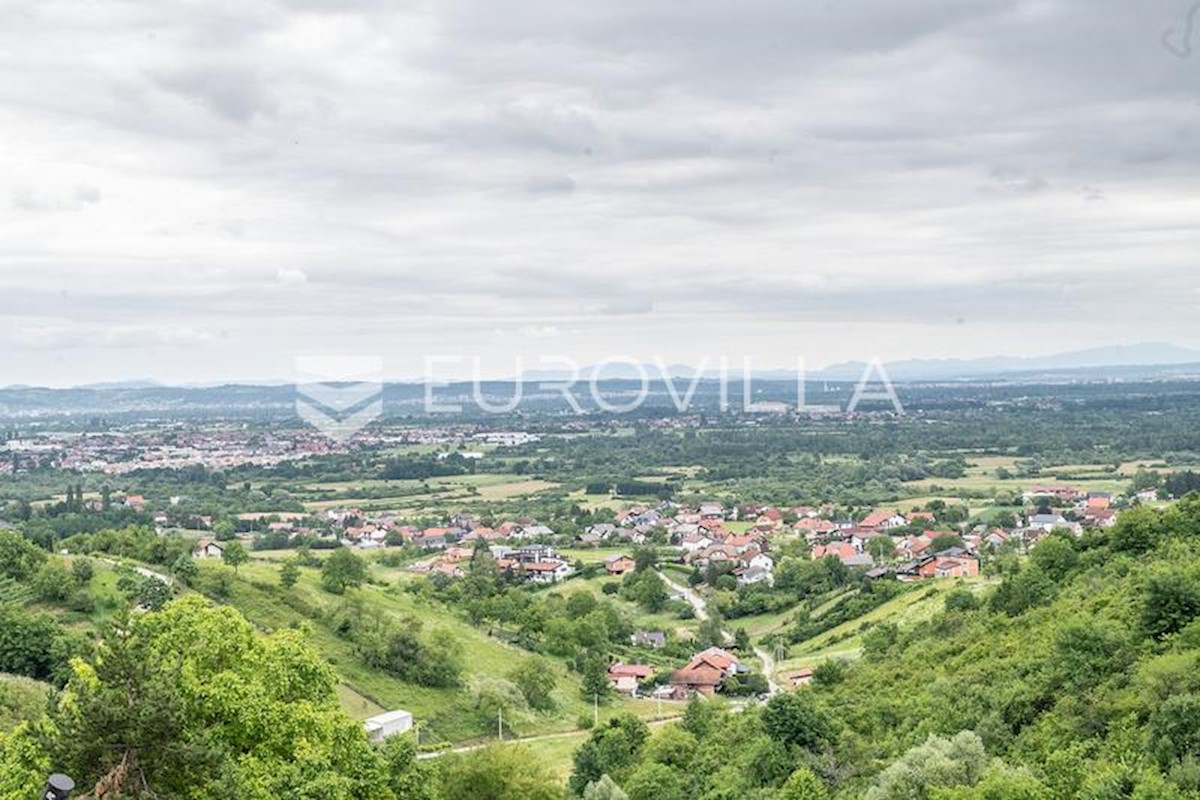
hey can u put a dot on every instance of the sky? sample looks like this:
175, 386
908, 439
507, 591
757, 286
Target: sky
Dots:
206, 190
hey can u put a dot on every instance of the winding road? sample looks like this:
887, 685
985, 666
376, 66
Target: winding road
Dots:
701, 606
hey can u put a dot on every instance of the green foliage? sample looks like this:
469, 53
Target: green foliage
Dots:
803, 785
1171, 601
53, 582
604, 789
19, 558
289, 573
342, 570
195, 704
794, 719
536, 681
497, 773
234, 554
612, 749
939, 762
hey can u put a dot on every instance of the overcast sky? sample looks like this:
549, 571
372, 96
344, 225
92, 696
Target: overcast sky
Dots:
205, 190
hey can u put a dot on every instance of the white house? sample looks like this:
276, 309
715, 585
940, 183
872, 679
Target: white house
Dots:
208, 548
387, 725
547, 571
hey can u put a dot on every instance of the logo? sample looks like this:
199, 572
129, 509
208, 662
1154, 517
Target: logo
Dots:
339, 395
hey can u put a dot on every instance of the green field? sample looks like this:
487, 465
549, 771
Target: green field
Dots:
445, 715
845, 641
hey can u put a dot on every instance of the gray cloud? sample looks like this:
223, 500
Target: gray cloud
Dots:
667, 173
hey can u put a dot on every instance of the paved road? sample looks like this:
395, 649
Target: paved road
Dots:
701, 607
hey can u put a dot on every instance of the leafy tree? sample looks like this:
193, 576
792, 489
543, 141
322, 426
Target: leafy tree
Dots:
184, 568
191, 702
612, 749
342, 570
945, 541
653, 781
794, 719
234, 554
536, 680
803, 785
939, 762
53, 582
1171, 601
604, 789
83, 570
289, 573
497, 773
1175, 729
19, 558
1056, 556
595, 682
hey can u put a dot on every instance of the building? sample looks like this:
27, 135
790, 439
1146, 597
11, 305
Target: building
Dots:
388, 725
208, 548
705, 673
547, 571
619, 565
626, 678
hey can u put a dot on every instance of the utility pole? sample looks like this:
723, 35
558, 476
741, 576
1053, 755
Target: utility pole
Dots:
500, 724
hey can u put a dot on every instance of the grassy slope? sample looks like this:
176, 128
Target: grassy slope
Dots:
445, 714
845, 641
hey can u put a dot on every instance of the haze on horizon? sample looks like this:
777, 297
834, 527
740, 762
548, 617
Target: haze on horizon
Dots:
204, 191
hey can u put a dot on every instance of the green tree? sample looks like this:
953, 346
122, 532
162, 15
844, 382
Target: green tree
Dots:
234, 554
342, 570
803, 785
83, 570
604, 789
1171, 601
794, 719
536, 680
938, 762
53, 582
289, 573
498, 773
19, 558
184, 569
192, 702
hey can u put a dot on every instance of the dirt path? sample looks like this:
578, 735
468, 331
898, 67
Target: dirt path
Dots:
698, 603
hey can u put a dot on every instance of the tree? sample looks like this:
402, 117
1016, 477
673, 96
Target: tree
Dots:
803, 785
881, 548
19, 558
342, 570
184, 568
612, 749
938, 762
192, 702
945, 541
1171, 601
82, 570
498, 773
53, 583
595, 683
289, 573
604, 789
1056, 555
794, 719
536, 680
234, 554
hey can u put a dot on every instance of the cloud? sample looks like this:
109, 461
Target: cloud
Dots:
437, 168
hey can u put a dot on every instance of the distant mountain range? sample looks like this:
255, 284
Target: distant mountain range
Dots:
1120, 358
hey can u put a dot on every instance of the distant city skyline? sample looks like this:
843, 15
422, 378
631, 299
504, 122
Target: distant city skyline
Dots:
205, 193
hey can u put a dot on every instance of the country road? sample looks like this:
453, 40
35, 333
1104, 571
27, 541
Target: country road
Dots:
698, 603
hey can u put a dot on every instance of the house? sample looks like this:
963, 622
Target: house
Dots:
655, 640
385, 726
840, 550
695, 542
1101, 517
883, 520
1147, 495
547, 571
1051, 521
954, 562
208, 548
705, 673
619, 565
625, 678
752, 575
801, 677
1099, 500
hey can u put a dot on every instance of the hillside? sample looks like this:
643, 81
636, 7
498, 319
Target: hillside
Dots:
450, 714
1077, 676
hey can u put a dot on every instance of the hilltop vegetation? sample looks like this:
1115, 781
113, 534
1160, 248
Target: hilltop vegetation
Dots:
1077, 677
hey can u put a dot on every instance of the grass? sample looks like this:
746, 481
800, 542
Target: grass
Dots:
845, 641
446, 715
